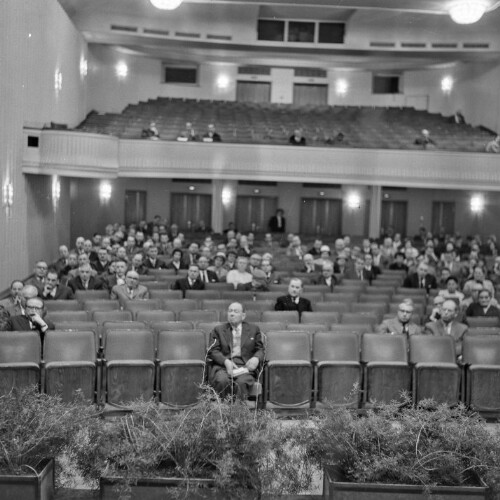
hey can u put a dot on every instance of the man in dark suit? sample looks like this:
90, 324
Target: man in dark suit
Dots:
32, 319
448, 325
85, 280
192, 282
327, 278
277, 223
421, 279
360, 272
293, 301
101, 265
206, 275
235, 346
152, 261
53, 290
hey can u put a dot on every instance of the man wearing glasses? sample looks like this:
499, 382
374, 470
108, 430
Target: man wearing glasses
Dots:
40, 274
402, 323
32, 319
131, 290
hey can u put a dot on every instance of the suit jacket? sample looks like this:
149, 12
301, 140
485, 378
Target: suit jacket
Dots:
159, 264
273, 225
121, 293
394, 326
36, 283
475, 309
14, 309
413, 281
101, 268
76, 284
183, 284
272, 279
286, 303
458, 330
170, 265
322, 281
22, 324
221, 341
62, 293
212, 277
367, 275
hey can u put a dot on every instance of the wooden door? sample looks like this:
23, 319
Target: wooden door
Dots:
320, 216
253, 213
394, 213
187, 210
443, 217
135, 206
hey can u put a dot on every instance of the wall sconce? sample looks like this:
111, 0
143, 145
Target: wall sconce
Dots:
191, 188
468, 11
121, 70
353, 201
447, 84
256, 191
84, 66
58, 80
8, 195
105, 191
56, 191
166, 4
477, 204
341, 87
226, 196
321, 193
222, 82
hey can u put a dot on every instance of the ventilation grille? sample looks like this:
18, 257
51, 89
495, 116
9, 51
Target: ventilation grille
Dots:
444, 45
254, 70
413, 45
257, 183
476, 45
128, 29
310, 72
193, 181
382, 44
149, 31
219, 37
321, 186
187, 35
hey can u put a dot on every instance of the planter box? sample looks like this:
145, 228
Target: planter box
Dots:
153, 488
39, 486
336, 488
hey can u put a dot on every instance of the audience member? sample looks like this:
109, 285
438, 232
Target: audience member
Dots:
188, 134
152, 261
131, 290
85, 280
33, 318
239, 275
218, 266
191, 282
451, 291
297, 139
12, 304
137, 265
40, 273
435, 314
206, 275
151, 132
448, 325
399, 263
308, 264
102, 263
483, 307
177, 263
421, 279
293, 301
270, 277
402, 323
236, 350
478, 278
425, 140
327, 277
62, 261
458, 118
192, 254
494, 145
277, 223
211, 135
53, 290
315, 250
360, 272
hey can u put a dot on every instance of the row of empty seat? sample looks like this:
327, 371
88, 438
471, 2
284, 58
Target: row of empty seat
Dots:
302, 370
240, 122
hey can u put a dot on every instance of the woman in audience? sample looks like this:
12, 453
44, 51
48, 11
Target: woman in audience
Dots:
483, 307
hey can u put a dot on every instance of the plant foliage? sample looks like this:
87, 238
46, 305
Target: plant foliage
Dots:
425, 445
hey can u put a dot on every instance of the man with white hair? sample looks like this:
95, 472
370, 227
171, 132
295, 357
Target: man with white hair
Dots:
402, 323
131, 290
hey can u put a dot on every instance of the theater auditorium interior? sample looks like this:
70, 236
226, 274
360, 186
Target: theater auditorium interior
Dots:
360, 120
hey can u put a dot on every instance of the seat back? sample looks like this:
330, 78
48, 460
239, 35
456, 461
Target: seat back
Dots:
115, 315
155, 316
134, 306
198, 315
360, 318
481, 350
267, 326
162, 294
281, 316
20, 347
215, 304
326, 318
259, 305
73, 326
69, 346
101, 305
338, 307
178, 305
158, 326
200, 295
339, 347
129, 344
63, 305
177, 345
308, 327
483, 321
286, 345
384, 348
57, 316
84, 295
430, 349
474, 331
237, 295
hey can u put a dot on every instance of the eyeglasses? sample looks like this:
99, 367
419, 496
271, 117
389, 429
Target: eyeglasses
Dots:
35, 308
406, 311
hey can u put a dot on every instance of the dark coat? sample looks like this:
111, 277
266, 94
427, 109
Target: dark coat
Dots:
286, 303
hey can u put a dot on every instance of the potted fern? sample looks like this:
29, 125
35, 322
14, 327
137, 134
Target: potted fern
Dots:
217, 449
401, 451
34, 429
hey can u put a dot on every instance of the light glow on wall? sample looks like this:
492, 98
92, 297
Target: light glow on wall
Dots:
467, 11
83, 67
226, 196
121, 70
58, 80
477, 204
353, 201
223, 82
447, 84
105, 191
166, 4
7, 194
56, 191
341, 86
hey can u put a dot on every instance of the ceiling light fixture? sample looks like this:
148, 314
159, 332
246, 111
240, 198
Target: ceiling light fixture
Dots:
166, 4
467, 11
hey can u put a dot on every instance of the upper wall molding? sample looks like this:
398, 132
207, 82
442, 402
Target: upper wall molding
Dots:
75, 154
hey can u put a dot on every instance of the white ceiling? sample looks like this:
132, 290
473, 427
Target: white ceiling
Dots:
94, 18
